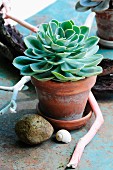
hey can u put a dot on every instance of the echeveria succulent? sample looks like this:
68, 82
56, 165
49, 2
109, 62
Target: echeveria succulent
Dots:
60, 51
95, 5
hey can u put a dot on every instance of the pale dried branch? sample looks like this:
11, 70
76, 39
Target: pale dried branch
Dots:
75, 159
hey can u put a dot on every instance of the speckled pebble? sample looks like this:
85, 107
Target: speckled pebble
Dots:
33, 129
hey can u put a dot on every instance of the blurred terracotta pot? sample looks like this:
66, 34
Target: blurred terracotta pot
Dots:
104, 22
63, 101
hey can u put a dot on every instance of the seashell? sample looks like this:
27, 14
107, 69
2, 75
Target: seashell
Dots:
63, 136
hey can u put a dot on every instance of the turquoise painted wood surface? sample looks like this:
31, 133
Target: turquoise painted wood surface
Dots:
52, 155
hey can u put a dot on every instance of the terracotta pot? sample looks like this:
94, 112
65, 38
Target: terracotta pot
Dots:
64, 101
104, 22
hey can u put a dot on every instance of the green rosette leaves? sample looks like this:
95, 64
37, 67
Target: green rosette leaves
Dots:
60, 51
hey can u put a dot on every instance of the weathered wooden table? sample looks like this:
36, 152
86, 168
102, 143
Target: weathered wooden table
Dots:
52, 155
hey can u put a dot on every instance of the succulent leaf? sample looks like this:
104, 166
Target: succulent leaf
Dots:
88, 3
74, 38
40, 67
48, 39
60, 32
81, 38
37, 52
65, 76
68, 68
78, 56
69, 33
93, 60
92, 51
66, 25
80, 8
76, 65
90, 71
30, 53
44, 76
58, 48
26, 70
60, 51
76, 29
72, 48
97, 6
91, 42
102, 6
84, 30
62, 42
63, 55
43, 27
20, 62
57, 62
55, 21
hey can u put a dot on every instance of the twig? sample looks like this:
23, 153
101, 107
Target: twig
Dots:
21, 22
16, 88
75, 159
5, 6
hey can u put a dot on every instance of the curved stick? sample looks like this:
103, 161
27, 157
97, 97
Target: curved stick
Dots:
21, 22
16, 88
75, 159
5, 6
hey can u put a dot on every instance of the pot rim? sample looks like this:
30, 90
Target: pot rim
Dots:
58, 83
108, 10
65, 87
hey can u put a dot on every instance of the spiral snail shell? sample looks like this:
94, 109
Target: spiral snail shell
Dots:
63, 136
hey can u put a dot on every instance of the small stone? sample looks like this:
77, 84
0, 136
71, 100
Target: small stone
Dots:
33, 129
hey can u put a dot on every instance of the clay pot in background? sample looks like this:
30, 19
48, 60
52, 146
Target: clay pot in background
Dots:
105, 24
